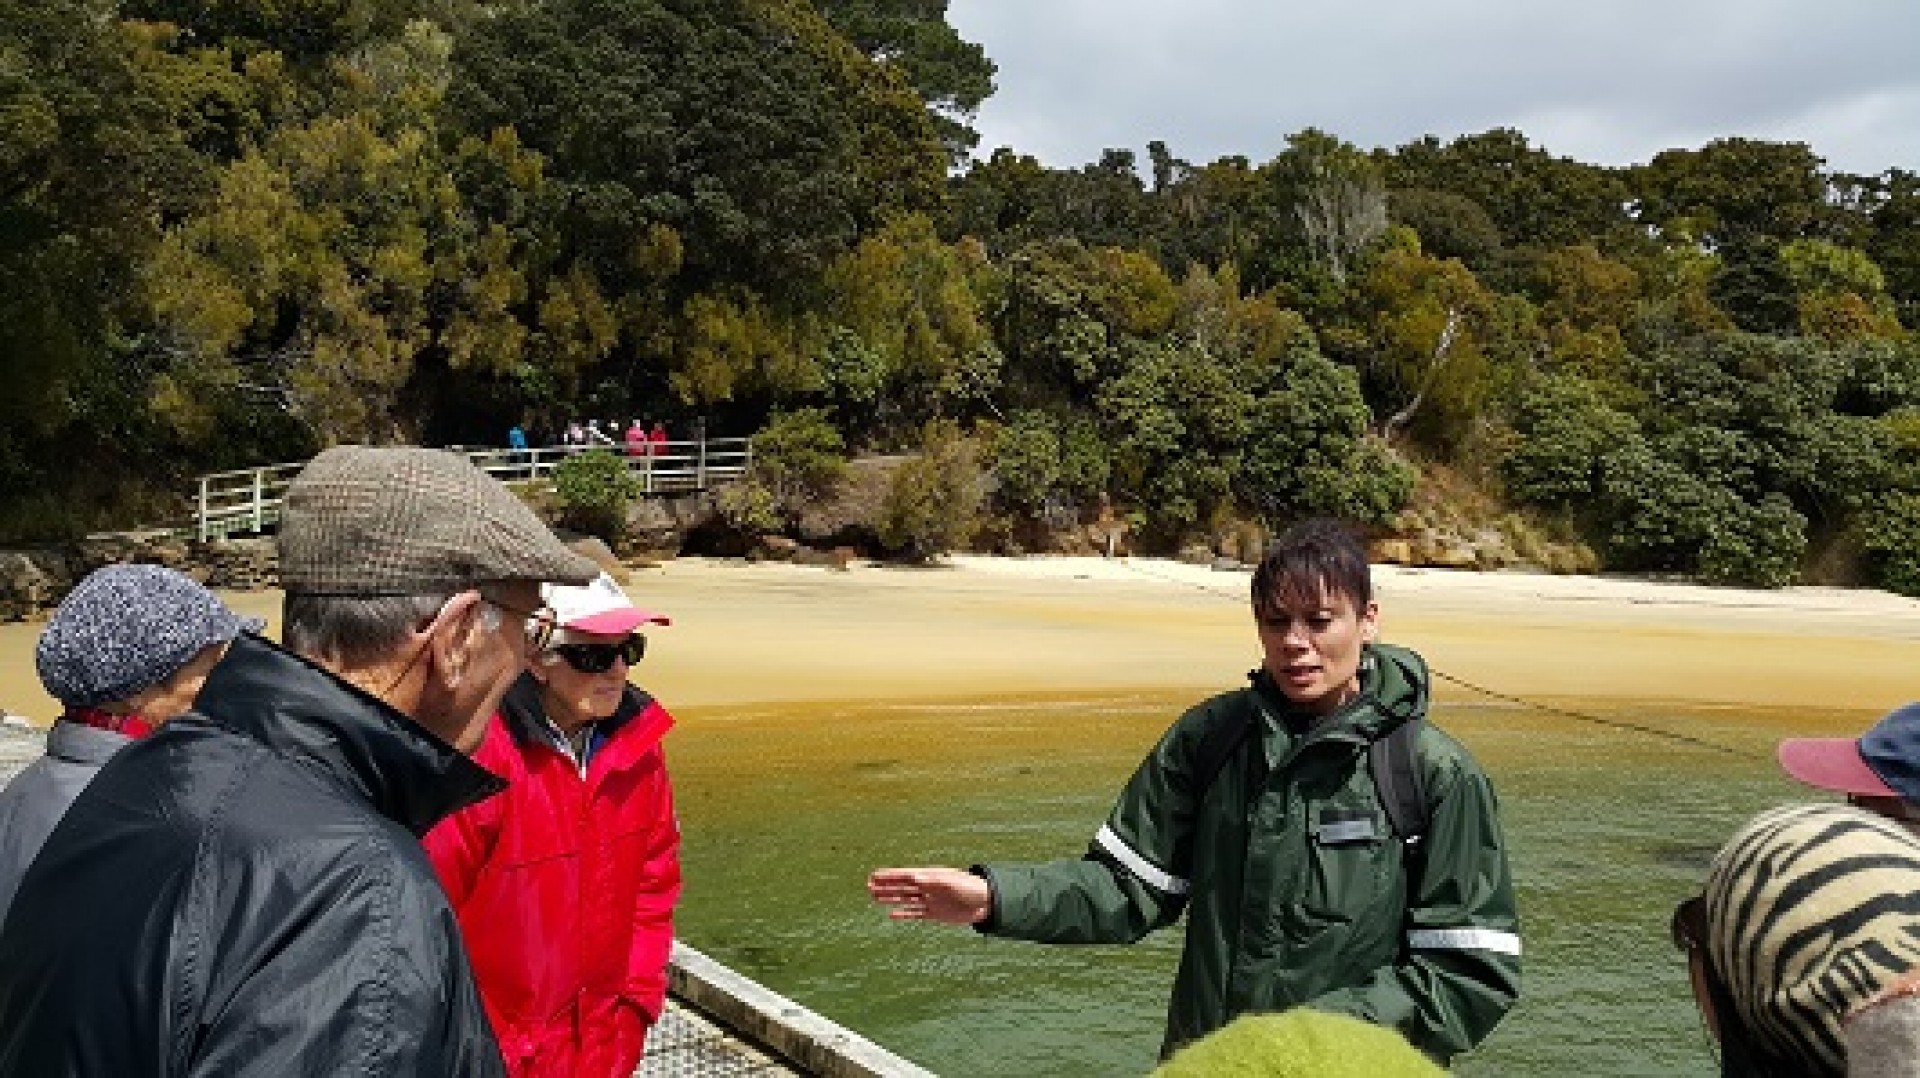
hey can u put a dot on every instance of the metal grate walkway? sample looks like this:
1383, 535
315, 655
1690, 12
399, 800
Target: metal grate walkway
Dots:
684, 1044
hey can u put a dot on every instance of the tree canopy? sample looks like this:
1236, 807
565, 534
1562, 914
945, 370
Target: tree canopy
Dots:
234, 233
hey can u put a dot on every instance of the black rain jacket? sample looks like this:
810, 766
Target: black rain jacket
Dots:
244, 893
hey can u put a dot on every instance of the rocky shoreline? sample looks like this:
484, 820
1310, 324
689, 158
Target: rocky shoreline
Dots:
34, 580
830, 534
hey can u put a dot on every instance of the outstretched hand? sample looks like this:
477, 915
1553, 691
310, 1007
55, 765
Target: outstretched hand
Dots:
931, 893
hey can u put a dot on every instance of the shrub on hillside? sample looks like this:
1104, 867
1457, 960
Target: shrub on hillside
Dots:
1086, 464
1756, 546
1656, 511
1026, 461
1669, 517
748, 505
1890, 534
1565, 432
1309, 452
933, 504
798, 457
594, 489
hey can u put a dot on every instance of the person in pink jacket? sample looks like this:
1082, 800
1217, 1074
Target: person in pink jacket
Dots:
565, 884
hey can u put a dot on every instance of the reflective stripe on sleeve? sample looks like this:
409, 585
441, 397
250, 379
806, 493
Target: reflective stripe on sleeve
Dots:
1138, 865
1463, 939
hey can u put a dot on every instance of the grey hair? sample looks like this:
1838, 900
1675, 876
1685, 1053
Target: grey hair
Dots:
357, 630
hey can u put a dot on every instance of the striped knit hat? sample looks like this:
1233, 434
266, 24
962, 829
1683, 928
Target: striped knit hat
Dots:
1811, 910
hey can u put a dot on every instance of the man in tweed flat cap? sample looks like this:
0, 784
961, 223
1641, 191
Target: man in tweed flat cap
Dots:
256, 900
126, 650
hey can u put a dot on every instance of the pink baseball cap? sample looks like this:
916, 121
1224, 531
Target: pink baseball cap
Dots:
1883, 762
598, 606
1832, 763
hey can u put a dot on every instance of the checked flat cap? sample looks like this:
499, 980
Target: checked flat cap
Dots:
401, 520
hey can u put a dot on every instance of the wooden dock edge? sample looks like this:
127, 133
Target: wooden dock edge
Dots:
746, 1008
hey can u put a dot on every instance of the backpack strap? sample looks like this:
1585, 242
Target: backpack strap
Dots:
1395, 763
1217, 746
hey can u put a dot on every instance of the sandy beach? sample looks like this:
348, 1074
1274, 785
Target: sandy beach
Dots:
758, 633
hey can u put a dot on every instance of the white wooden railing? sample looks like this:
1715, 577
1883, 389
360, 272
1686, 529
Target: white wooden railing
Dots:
248, 500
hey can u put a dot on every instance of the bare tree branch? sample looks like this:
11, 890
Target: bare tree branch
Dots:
1342, 214
1442, 351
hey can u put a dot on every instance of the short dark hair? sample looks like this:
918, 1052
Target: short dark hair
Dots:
1310, 560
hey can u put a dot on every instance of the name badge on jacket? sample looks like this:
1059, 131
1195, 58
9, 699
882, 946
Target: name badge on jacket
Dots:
1341, 828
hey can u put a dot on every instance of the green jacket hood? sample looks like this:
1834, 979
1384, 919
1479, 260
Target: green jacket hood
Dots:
1395, 687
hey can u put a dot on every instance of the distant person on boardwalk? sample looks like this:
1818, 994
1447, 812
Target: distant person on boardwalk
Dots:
244, 891
1331, 848
518, 452
125, 651
658, 436
576, 437
1879, 771
565, 885
636, 439
1804, 945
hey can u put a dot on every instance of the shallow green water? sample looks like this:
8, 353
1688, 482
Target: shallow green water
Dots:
784, 810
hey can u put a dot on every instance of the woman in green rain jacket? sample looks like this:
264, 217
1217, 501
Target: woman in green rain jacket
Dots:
1260, 814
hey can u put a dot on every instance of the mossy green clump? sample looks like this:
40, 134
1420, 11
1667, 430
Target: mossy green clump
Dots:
1301, 1043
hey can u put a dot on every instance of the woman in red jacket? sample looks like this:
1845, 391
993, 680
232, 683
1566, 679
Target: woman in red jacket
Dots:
565, 884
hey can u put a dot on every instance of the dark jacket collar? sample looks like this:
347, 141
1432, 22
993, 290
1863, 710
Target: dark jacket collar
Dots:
300, 710
526, 719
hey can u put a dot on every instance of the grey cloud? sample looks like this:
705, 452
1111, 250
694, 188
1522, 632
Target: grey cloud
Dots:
1612, 83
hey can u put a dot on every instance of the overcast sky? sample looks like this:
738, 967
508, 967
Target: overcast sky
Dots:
1609, 82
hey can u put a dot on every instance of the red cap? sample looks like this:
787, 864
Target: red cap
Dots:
1832, 763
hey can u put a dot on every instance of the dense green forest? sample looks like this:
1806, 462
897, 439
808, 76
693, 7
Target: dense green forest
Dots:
232, 233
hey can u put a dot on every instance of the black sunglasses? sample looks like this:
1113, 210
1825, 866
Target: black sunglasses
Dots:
599, 658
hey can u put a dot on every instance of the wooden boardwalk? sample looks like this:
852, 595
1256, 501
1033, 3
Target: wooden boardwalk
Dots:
247, 501
717, 1023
